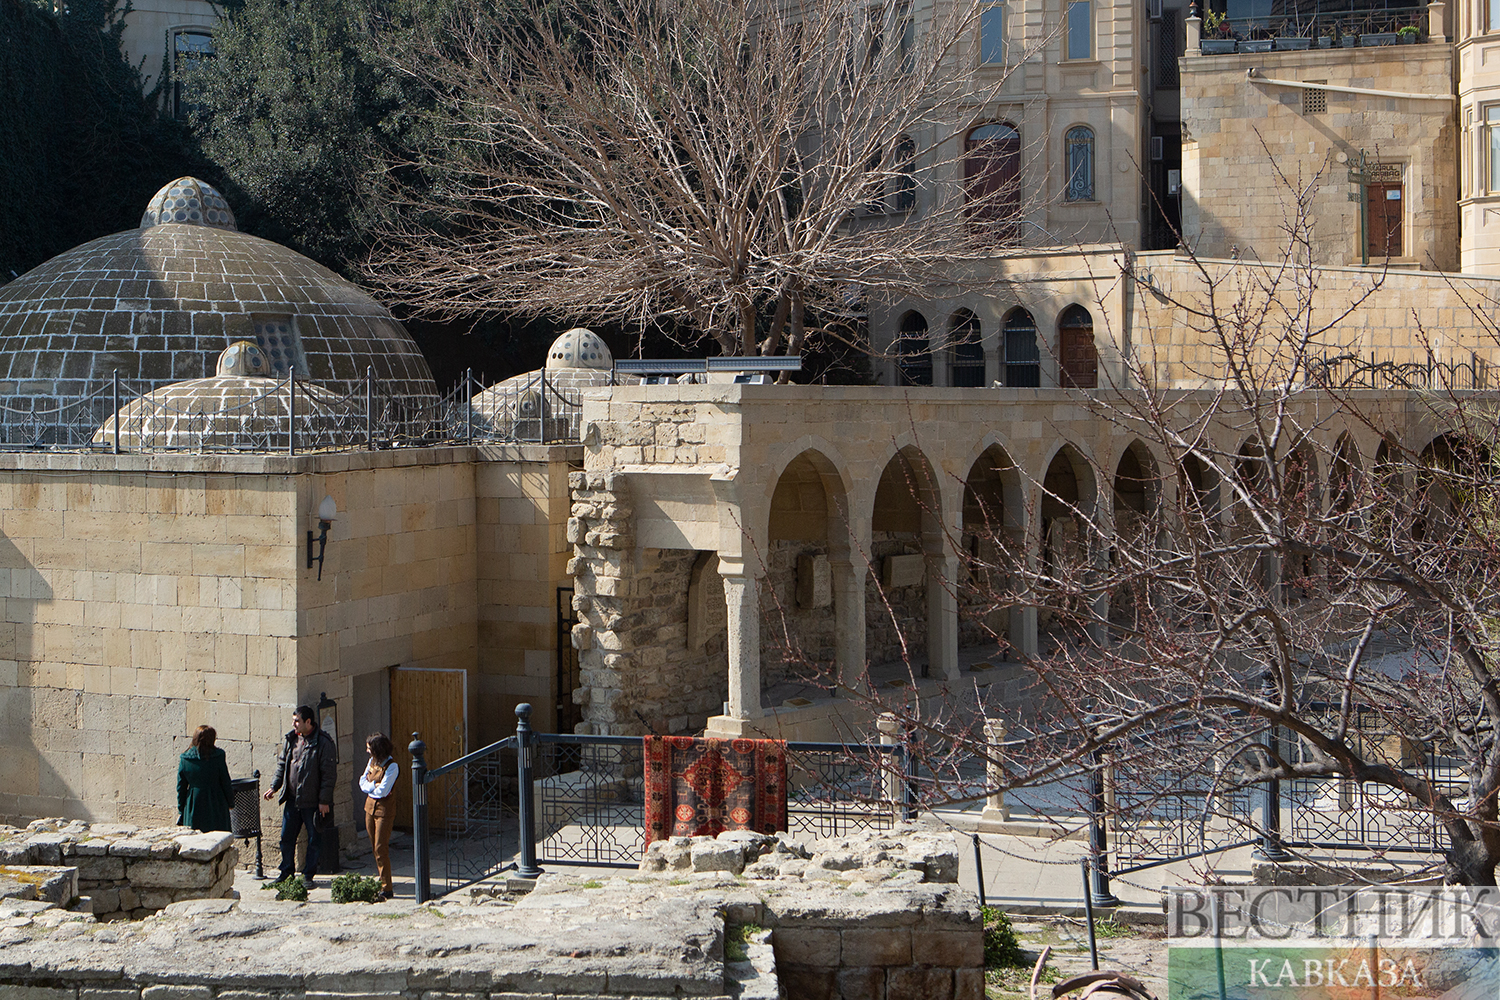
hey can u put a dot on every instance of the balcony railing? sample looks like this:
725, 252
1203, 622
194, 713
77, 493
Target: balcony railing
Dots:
1293, 32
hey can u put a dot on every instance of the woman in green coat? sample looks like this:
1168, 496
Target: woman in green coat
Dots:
203, 790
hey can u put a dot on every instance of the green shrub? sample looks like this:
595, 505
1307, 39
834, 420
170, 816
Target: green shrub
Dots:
292, 888
1001, 948
352, 888
737, 941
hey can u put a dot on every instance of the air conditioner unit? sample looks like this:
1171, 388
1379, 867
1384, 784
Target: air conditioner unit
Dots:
1154, 7
1156, 148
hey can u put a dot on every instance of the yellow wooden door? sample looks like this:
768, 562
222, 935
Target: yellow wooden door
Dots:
432, 703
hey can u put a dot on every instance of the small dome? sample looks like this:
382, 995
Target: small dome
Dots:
189, 201
522, 407
579, 348
231, 412
244, 357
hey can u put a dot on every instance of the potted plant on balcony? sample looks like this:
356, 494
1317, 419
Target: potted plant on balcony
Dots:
1290, 38
1326, 35
1407, 34
1218, 38
1377, 38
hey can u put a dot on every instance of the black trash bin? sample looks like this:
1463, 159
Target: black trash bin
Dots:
244, 815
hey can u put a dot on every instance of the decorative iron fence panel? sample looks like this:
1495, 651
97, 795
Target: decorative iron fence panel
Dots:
591, 808
472, 816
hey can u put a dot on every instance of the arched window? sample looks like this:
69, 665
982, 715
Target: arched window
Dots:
1023, 368
913, 354
1080, 164
965, 352
190, 47
992, 178
1075, 349
904, 195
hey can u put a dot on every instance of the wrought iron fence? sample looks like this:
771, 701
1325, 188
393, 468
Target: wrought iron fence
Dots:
562, 798
1343, 29
1348, 371
290, 415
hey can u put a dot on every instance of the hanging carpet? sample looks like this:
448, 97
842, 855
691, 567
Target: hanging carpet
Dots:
702, 787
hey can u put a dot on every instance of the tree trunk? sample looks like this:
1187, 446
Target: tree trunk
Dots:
1468, 863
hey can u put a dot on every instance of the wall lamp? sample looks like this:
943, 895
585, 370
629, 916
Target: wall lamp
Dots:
328, 512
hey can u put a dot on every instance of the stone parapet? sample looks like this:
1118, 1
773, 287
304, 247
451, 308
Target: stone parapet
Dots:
117, 870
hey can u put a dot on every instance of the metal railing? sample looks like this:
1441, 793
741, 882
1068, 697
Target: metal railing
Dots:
289, 416
579, 800
1429, 374
1344, 29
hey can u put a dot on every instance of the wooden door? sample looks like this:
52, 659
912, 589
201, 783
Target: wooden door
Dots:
1383, 219
1077, 357
434, 704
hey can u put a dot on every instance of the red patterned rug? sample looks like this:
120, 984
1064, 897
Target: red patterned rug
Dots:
702, 787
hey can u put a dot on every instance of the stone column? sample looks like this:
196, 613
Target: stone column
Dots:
742, 600
942, 616
1437, 21
849, 613
995, 808
1194, 34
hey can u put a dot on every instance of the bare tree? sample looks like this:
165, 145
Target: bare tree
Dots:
1262, 599
724, 167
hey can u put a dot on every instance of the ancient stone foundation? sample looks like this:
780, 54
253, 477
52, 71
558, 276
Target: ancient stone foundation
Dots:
883, 921
113, 870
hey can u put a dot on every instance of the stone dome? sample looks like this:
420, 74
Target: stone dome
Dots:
579, 348
240, 412
520, 407
159, 304
190, 202
244, 358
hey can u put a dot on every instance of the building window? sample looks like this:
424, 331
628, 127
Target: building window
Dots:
913, 352
904, 197
992, 34
1079, 360
906, 31
1080, 39
965, 351
992, 178
1080, 164
1493, 16
1492, 145
189, 48
1023, 367
278, 337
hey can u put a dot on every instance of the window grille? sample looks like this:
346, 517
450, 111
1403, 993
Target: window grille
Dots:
1314, 102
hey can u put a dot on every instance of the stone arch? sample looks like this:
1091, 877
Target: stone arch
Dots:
1451, 469
1068, 504
965, 350
1344, 484
1020, 355
806, 533
905, 542
913, 350
991, 533
1077, 355
1136, 487
1198, 489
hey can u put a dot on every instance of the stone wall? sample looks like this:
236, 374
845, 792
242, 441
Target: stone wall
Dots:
521, 513
121, 870
797, 644
143, 596
894, 613
603, 571
1249, 148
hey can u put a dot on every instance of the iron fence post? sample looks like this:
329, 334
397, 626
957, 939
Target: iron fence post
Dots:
469, 407
370, 408
1270, 848
115, 382
526, 867
421, 869
909, 805
291, 411
1098, 860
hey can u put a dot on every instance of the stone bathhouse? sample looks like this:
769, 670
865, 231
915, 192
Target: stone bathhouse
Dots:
649, 573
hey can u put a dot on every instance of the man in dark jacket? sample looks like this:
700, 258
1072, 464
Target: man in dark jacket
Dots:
305, 776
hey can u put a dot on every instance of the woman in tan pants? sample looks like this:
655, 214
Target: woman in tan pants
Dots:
377, 781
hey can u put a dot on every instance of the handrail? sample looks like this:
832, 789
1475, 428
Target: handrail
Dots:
509, 743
